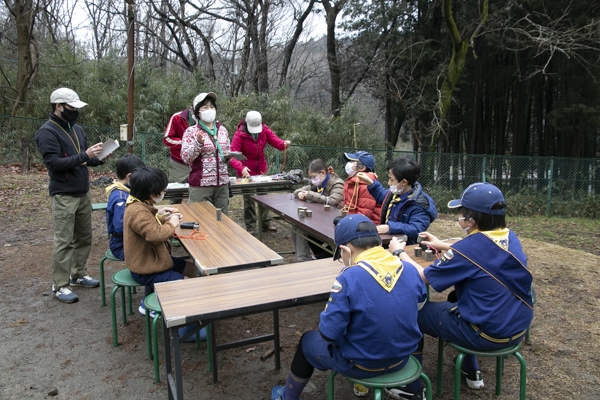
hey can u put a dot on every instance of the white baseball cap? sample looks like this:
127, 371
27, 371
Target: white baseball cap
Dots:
254, 122
68, 96
200, 98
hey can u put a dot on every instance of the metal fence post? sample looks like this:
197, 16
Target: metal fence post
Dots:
550, 186
483, 165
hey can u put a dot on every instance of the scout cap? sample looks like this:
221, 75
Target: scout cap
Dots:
200, 98
345, 231
254, 122
481, 197
68, 96
362, 157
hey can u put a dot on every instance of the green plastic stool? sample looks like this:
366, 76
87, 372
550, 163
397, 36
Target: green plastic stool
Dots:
107, 256
499, 354
151, 304
410, 373
122, 279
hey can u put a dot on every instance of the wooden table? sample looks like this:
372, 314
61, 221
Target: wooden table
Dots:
216, 297
319, 225
228, 246
177, 190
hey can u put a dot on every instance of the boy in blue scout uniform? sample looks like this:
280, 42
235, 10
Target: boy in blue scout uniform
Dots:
488, 270
117, 194
405, 208
358, 336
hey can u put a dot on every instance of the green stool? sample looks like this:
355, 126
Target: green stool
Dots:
122, 279
410, 373
151, 304
499, 354
107, 256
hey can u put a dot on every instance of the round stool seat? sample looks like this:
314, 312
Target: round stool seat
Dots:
109, 255
151, 303
123, 278
490, 353
410, 373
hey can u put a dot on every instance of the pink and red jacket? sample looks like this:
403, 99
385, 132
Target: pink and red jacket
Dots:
254, 150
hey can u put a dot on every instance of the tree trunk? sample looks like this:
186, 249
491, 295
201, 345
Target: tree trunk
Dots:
332, 11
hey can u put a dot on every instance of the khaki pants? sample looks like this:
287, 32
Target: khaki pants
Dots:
178, 173
72, 237
250, 214
217, 195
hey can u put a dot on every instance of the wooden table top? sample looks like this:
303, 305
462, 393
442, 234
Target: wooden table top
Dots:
319, 225
228, 245
247, 292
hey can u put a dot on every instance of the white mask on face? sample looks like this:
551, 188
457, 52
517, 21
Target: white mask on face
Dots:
158, 199
395, 190
208, 115
350, 170
465, 230
317, 180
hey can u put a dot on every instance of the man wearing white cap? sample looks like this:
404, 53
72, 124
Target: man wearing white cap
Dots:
65, 153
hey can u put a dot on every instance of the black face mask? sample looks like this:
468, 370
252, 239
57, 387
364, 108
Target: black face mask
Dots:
70, 115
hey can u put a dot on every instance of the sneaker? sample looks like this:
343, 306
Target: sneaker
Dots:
65, 294
360, 390
278, 393
142, 310
86, 281
402, 393
474, 378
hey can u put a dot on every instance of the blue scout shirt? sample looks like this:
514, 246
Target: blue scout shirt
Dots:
115, 210
410, 216
375, 326
498, 309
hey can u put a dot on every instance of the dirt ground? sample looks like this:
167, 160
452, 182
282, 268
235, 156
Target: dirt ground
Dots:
50, 349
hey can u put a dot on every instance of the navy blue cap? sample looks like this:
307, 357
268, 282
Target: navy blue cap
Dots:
365, 158
345, 231
481, 197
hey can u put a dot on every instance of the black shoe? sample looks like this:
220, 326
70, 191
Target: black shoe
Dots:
401, 393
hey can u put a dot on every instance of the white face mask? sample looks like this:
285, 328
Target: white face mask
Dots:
395, 190
349, 169
317, 180
465, 230
158, 199
208, 115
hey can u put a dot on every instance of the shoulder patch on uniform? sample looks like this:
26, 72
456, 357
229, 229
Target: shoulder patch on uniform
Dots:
337, 287
449, 255
120, 203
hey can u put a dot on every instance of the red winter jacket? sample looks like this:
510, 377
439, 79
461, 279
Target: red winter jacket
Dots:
254, 150
358, 200
178, 123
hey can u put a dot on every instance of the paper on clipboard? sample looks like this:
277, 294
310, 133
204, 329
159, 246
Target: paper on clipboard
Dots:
108, 147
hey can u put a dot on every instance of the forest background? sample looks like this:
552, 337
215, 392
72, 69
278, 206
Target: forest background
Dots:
503, 77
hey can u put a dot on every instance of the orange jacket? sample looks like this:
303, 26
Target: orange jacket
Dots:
358, 200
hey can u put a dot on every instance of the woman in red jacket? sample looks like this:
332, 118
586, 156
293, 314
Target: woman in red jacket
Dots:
357, 199
251, 137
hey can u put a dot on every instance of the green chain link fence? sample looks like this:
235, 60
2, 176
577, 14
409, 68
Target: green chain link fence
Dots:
531, 185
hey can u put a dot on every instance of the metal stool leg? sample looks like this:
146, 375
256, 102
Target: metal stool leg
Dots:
103, 296
113, 315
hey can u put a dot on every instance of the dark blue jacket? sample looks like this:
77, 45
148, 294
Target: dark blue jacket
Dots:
408, 217
63, 151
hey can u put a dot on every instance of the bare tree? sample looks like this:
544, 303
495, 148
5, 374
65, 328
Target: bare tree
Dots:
24, 13
332, 10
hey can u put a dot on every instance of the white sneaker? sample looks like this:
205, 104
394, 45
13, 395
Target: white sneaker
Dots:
473, 378
360, 390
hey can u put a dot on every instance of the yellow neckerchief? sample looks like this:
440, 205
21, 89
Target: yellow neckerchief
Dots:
78, 147
116, 185
381, 265
498, 236
395, 199
132, 199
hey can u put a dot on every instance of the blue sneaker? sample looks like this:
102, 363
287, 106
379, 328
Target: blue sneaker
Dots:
142, 310
186, 329
86, 281
278, 393
65, 294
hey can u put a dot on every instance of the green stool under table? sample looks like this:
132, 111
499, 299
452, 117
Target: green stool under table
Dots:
111, 257
410, 373
122, 279
151, 304
499, 354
